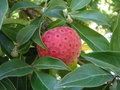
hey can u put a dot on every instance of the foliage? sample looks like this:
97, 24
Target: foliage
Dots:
22, 22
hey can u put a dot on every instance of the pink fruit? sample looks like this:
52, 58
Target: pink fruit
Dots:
63, 43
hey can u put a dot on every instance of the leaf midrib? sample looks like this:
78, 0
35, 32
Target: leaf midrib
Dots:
58, 67
97, 75
13, 70
101, 20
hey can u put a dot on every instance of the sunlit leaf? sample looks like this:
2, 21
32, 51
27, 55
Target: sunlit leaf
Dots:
23, 4
95, 41
115, 40
55, 8
78, 4
91, 15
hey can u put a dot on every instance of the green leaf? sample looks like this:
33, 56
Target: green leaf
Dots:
69, 2
50, 63
107, 60
56, 23
59, 4
38, 21
114, 85
11, 30
91, 15
85, 76
56, 13
22, 83
73, 88
3, 10
103, 87
55, 8
15, 21
14, 68
6, 84
37, 39
78, 4
2, 87
115, 40
43, 81
96, 41
23, 4
118, 85
6, 44
25, 48
1, 52
25, 34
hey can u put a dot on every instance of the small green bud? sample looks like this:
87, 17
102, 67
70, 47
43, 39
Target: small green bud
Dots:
65, 12
69, 19
14, 52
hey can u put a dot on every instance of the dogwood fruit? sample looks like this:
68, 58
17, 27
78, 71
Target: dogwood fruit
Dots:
63, 43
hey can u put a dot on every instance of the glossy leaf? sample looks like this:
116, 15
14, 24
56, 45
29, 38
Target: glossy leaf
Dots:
56, 23
3, 10
37, 39
115, 40
107, 60
55, 8
78, 4
25, 34
22, 4
43, 81
91, 15
95, 41
60, 4
14, 68
56, 13
6, 44
85, 76
6, 84
50, 63
38, 21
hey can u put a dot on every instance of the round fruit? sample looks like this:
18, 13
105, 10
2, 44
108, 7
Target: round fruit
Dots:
63, 43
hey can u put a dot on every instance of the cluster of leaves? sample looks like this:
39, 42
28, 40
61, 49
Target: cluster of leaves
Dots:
22, 69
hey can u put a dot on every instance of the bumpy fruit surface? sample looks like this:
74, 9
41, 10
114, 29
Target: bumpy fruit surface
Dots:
63, 43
